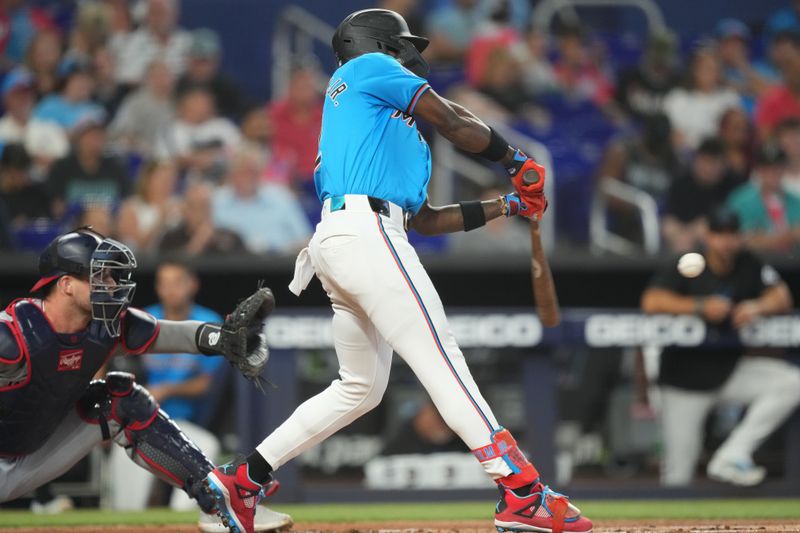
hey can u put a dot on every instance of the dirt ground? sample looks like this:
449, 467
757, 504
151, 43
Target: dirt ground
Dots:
622, 526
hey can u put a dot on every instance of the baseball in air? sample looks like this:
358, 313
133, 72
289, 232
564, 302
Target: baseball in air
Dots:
691, 265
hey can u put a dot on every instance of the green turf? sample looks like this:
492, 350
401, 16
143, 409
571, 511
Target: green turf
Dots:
787, 509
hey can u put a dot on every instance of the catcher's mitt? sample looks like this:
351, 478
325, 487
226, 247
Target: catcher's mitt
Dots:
241, 337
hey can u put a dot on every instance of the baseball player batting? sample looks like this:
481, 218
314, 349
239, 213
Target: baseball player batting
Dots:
372, 173
51, 411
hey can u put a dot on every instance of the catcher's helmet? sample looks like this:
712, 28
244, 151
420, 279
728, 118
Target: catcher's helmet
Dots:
105, 263
380, 30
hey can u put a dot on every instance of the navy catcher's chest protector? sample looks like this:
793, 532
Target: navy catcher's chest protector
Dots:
58, 373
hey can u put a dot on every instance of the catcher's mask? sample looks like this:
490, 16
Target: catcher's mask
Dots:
380, 30
110, 284
105, 263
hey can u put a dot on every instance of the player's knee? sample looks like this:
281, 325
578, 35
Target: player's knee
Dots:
363, 395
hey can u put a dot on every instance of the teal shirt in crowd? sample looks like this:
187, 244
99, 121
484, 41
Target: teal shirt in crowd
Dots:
748, 204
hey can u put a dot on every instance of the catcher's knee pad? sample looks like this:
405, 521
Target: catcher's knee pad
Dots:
118, 399
504, 447
148, 435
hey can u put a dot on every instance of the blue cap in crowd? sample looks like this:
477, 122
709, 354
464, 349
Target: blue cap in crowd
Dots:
732, 28
17, 79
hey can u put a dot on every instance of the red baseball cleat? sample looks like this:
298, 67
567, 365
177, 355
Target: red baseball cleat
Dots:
237, 495
542, 510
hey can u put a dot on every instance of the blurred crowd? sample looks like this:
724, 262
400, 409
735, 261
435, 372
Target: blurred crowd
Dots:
115, 116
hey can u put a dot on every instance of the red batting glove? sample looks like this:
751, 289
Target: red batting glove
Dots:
533, 206
521, 169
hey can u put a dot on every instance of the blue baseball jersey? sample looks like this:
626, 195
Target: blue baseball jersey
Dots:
180, 367
369, 142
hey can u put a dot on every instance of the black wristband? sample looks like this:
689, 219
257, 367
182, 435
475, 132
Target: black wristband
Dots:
473, 214
208, 339
497, 149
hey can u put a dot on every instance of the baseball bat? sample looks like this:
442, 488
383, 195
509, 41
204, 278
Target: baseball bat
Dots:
544, 289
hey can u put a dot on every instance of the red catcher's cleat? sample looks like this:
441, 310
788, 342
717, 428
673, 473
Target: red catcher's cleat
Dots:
542, 510
237, 495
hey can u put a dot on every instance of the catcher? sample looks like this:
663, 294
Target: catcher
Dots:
52, 412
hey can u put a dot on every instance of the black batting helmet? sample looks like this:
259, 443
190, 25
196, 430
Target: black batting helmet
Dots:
105, 263
380, 30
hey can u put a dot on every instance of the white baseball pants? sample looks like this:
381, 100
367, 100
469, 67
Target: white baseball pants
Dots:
383, 301
769, 387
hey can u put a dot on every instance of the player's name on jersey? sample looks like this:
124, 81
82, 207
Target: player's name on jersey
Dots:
598, 328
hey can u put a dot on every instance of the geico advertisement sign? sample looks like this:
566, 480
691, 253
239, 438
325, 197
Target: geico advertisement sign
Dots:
472, 330
634, 330
779, 331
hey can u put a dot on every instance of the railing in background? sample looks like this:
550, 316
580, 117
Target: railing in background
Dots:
603, 239
296, 32
545, 10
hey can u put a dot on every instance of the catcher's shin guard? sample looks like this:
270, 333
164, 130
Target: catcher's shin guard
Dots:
128, 413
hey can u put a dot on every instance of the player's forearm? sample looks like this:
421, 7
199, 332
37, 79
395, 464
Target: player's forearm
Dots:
775, 300
176, 337
656, 300
450, 218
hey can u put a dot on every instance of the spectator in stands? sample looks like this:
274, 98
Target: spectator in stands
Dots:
99, 217
46, 143
538, 74
781, 101
495, 32
25, 23
73, 103
18, 101
90, 30
451, 28
641, 89
735, 289
695, 110
203, 70
501, 238
787, 136
424, 433
158, 38
267, 216
769, 214
146, 115
645, 161
88, 175
196, 234
299, 113
107, 91
738, 73
25, 201
42, 60
410, 10
784, 19
692, 196
501, 81
736, 134
179, 381
199, 136
153, 209
578, 74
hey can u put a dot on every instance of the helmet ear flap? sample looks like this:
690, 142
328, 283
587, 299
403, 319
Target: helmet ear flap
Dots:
410, 57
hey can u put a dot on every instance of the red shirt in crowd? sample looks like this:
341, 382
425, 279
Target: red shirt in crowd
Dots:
778, 104
297, 137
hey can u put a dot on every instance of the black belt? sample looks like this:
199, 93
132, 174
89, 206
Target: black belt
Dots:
338, 203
